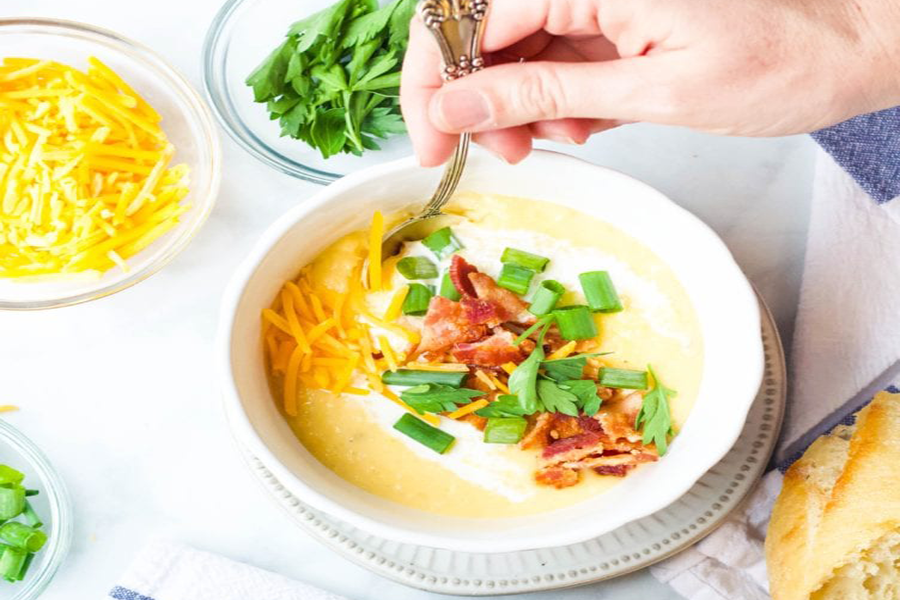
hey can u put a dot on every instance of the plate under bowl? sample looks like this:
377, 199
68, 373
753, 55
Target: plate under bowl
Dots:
723, 299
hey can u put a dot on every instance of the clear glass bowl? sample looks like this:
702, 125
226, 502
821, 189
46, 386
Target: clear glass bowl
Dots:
52, 504
242, 34
186, 120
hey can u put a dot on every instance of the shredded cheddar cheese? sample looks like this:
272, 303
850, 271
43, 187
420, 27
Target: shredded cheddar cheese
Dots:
563, 352
85, 175
509, 367
396, 305
468, 409
483, 377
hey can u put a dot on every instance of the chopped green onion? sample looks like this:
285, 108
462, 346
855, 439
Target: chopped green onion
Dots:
31, 492
515, 278
12, 502
448, 290
575, 322
442, 242
10, 475
417, 267
600, 292
22, 536
540, 323
25, 565
412, 377
523, 259
417, 298
623, 378
504, 430
11, 563
31, 516
425, 434
546, 297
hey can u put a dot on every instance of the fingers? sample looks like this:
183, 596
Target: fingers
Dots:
512, 144
420, 79
512, 20
517, 94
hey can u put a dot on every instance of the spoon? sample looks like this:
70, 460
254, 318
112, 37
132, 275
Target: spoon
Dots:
457, 25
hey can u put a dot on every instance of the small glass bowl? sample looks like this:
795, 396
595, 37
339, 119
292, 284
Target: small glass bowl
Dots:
240, 37
52, 504
186, 120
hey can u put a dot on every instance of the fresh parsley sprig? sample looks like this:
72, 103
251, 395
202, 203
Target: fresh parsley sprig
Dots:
334, 81
437, 398
655, 416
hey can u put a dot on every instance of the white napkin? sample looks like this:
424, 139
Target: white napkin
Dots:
169, 571
846, 348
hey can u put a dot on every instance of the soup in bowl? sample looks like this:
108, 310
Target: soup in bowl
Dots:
567, 352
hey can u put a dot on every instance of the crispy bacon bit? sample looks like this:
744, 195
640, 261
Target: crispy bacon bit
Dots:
480, 312
475, 421
536, 437
614, 470
558, 477
509, 306
618, 426
445, 324
494, 350
581, 441
459, 275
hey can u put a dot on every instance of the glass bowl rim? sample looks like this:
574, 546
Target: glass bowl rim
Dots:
177, 85
60, 537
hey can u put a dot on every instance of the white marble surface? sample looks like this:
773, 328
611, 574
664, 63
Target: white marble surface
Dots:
121, 394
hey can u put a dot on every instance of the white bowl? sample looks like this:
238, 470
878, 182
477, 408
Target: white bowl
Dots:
723, 299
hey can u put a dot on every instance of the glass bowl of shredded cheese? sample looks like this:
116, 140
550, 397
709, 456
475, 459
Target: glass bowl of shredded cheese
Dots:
109, 163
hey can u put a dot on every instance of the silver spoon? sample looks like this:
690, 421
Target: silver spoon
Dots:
457, 26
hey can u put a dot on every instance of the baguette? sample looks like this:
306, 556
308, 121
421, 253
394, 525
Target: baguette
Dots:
835, 527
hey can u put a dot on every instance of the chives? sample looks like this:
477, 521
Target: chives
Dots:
12, 502
22, 536
28, 558
12, 563
416, 302
448, 290
504, 430
425, 434
412, 377
442, 242
417, 267
523, 259
623, 378
515, 278
575, 322
600, 292
31, 516
10, 475
546, 297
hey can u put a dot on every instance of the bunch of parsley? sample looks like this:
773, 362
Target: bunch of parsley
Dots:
334, 82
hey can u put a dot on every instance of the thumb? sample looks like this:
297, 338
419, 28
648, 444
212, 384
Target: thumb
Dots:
519, 93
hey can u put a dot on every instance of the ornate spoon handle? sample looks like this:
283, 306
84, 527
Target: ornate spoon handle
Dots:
458, 26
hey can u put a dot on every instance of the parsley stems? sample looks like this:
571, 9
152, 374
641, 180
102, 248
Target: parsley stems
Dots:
442, 242
425, 434
515, 278
448, 290
412, 377
623, 378
525, 260
540, 323
575, 322
546, 297
600, 292
416, 302
504, 430
417, 267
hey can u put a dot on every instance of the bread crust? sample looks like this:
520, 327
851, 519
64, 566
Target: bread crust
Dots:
836, 502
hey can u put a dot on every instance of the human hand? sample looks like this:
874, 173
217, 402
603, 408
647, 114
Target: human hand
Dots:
564, 69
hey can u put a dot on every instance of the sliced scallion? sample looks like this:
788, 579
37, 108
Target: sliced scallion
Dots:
442, 242
448, 290
22, 571
417, 298
523, 259
411, 377
504, 430
417, 267
600, 292
623, 378
11, 563
575, 322
12, 501
31, 516
515, 278
425, 434
22, 536
10, 475
546, 297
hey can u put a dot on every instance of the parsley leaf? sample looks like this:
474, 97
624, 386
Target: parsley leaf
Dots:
503, 406
572, 367
557, 399
586, 392
654, 415
436, 398
523, 381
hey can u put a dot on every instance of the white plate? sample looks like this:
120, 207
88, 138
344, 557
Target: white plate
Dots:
628, 548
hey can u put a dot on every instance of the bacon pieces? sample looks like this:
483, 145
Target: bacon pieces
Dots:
493, 351
509, 306
480, 312
446, 324
459, 275
558, 477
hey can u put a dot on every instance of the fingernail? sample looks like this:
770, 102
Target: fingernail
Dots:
462, 109
564, 139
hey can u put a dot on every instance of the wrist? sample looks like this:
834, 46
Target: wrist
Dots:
881, 34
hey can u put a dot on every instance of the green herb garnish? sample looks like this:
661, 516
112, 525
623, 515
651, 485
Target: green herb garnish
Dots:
623, 378
413, 377
417, 267
575, 322
417, 299
515, 278
19, 540
545, 298
523, 380
586, 392
334, 82
571, 367
600, 292
526, 260
436, 398
425, 434
504, 406
442, 242
505, 430
654, 415
557, 399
